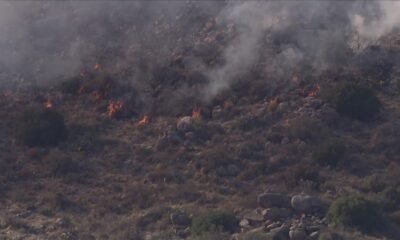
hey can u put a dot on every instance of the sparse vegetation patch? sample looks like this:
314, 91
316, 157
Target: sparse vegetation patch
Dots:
214, 222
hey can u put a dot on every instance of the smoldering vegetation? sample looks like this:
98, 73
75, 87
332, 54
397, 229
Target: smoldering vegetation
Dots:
194, 50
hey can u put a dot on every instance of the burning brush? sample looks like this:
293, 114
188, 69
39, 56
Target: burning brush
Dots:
115, 108
314, 92
49, 103
144, 121
196, 113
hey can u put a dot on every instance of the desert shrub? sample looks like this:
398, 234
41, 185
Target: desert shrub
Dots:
305, 128
391, 197
56, 201
302, 174
255, 235
357, 102
214, 222
211, 236
216, 160
329, 154
38, 126
166, 176
355, 211
374, 184
251, 149
63, 166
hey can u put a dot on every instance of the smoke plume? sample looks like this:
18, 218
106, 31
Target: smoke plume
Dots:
45, 42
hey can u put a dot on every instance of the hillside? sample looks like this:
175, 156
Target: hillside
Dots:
190, 140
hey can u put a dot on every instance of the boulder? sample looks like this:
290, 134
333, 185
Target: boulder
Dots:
253, 216
269, 200
275, 214
314, 235
244, 223
305, 203
185, 124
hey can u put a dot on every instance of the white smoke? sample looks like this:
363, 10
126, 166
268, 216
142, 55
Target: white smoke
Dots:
318, 33
381, 19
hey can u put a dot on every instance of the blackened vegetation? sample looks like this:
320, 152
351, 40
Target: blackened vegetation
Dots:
38, 126
355, 101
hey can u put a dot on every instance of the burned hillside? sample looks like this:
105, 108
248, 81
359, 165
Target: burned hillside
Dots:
199, 120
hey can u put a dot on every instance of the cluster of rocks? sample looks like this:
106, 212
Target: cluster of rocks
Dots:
284, 217
279, 217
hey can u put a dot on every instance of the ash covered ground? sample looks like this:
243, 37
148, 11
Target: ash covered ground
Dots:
199, 120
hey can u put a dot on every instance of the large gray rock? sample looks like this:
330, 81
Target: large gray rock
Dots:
244, 223
269, 200
275, 214
185, 124
253, 216
305, 203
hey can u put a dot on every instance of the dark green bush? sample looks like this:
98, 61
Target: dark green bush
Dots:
329, 154
356, 212
391, 197
357, 102
214, 222
39, 126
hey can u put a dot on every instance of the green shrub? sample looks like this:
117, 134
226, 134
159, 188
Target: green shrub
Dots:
357, 102
214, 222
39, 126
355, 211
329, 154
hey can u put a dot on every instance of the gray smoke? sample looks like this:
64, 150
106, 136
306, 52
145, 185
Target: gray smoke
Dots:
316, 33
46, 42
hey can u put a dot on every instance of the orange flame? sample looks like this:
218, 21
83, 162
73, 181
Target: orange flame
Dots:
315, 91
144, 121
49, 103
196, 113
97, 67
114, 107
